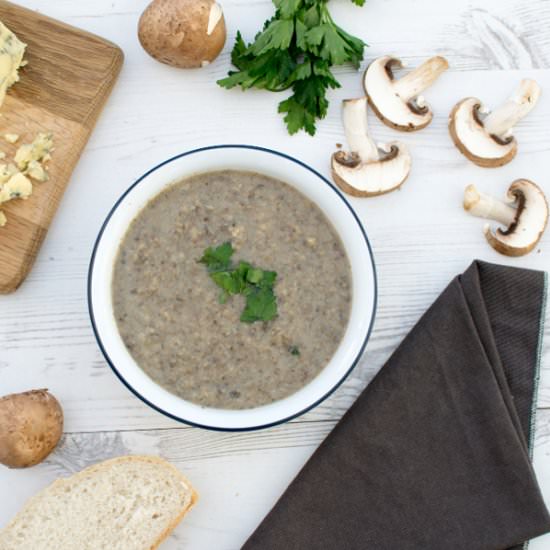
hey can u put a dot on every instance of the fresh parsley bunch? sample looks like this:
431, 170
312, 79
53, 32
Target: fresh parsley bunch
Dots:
296, 49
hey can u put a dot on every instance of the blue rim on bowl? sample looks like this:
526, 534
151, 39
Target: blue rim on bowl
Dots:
307, 407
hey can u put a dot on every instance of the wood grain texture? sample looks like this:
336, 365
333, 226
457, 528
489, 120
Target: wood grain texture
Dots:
420, 235
62, 90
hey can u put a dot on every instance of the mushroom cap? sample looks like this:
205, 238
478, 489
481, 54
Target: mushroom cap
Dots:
531, 220
388, 105
31, 424
473, 141
372, 178
182, 33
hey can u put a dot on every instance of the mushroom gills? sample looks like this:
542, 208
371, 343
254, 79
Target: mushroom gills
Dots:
470, 136
397, 102
524, 215
486, 137
369, 169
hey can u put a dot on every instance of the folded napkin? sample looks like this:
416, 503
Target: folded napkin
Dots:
435, 453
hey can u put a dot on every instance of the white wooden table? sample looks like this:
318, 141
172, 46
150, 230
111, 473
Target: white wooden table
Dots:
420, 235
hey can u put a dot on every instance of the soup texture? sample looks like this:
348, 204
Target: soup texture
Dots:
168, 308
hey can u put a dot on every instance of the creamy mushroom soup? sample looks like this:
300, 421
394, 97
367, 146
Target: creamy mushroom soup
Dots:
187, 333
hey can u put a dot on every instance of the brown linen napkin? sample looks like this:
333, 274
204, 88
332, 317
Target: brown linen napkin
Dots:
435, 453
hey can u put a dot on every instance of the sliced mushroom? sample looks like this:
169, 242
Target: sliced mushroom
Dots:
486, 139
524, 214
397, 102
369, 169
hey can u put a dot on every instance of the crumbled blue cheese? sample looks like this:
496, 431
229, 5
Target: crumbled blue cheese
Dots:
36, 171
38, 150
6, 172
29, 163
29, 158
13, 185
17, 187
12, 51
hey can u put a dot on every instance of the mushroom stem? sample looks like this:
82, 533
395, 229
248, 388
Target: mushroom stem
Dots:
502, 120
421, 78
485, 206
354, 117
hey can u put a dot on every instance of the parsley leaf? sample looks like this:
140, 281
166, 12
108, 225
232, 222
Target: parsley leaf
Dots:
297, 116
269, 71
296, 49
238, 54
254, 283
276, 36
307, 103
219, 258
287, 8
261, 305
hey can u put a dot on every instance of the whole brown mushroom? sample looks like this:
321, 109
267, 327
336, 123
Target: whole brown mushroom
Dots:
31, 424
183, 33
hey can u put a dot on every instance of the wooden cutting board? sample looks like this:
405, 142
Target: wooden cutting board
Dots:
69, 76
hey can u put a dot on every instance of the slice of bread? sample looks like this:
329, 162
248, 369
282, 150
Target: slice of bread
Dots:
127, 503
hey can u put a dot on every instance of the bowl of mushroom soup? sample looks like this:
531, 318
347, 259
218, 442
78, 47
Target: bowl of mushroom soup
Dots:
232, 287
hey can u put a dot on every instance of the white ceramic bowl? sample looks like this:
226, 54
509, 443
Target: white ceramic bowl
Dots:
271, 163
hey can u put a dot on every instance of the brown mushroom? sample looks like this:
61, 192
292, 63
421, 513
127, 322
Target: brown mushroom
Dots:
183, 33
31, 424
397, 102
524, 216
485, 137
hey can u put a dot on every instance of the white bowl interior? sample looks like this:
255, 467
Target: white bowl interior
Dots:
307, 182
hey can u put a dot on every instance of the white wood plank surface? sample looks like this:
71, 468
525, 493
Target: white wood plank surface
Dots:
420, 235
